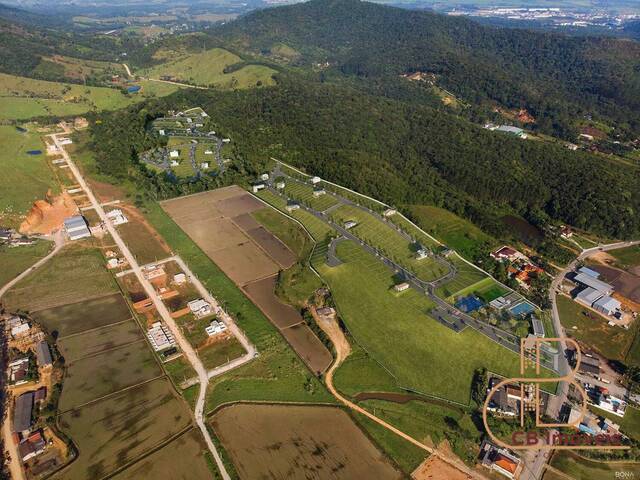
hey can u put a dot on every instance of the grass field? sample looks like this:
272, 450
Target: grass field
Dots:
79, 68
582, 469
25, 177
278, 373
96, 341
208, 69
24, 98
16, 260
388, 240
626, 257
78, 317
591, 329
110, 371
318, 229
398, 333
452, 230
186, 457
466, 276
179, 370
114, 431
142, 242
51, 286
221, 352
303, 193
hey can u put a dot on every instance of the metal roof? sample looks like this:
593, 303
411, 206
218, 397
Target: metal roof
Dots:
589, 295
589, 271
43, 353
589, 281
22, 413
74, 222
607, 303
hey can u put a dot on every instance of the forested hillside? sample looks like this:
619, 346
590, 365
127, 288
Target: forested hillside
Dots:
400, 153
557, 78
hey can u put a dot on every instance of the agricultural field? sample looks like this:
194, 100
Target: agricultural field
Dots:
277, 374
387, 239
452, 230
93, 377
144, 242
591, 329
95, 341
185, 457
72, 318
24, 98
397, 332
291, 441
26, 177
51, 287
16, 260
189, 69
580, 468
114, 431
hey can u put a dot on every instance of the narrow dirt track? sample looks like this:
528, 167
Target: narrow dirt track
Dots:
343, 349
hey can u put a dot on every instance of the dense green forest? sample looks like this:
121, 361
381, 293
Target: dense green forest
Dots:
557, 78
399, 152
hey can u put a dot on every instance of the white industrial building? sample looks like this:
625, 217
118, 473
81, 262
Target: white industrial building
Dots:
76, 227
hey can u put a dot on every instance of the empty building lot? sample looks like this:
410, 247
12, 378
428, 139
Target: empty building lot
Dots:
221, 224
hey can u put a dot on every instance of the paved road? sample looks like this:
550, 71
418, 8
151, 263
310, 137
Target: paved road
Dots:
499, 336
15, 465
186, 347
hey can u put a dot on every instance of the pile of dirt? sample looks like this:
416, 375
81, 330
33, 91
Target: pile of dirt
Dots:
47, 216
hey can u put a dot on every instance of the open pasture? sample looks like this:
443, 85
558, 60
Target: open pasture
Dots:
80, 316
17, 260
182, 459
396, 331
96, 341
208, 69
276, 441
121, 428
386, 238
25, 178
73, 275
110, 371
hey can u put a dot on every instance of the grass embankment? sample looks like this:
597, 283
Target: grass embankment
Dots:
25, 178
626, 257
208, 69
452, 230
580, 468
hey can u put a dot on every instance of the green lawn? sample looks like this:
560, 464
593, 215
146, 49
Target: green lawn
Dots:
221, 352
582, 469
592, 329
397, 332
454, 231
627, 257
24, 98
16, 260
25, 178
208, 69
303, 193
386, 238
466, 276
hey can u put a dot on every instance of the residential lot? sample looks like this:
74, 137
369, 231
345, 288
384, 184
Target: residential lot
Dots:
250, 256
295, 441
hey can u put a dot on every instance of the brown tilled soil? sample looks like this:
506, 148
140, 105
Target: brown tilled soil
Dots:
625, 283
262, 294
274, 247
286, 441
434, 468
308, 347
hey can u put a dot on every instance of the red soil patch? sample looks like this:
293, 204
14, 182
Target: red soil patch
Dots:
47, 216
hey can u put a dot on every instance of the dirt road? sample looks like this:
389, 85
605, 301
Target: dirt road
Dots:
343, 349
186, 347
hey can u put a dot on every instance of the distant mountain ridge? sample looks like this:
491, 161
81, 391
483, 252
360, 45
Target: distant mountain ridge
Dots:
547, 73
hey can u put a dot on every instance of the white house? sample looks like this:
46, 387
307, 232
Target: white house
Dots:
401, 287
215, 327
160, 337
319, 192
315, 180
280, 185
117, 217
174, 154
256, 188
390, 211
264, 177
350, 224
180, 278
199, 308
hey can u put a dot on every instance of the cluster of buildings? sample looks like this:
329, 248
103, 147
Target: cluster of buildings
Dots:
500, 460
592, 424
595, 293
520, 268
12, 238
